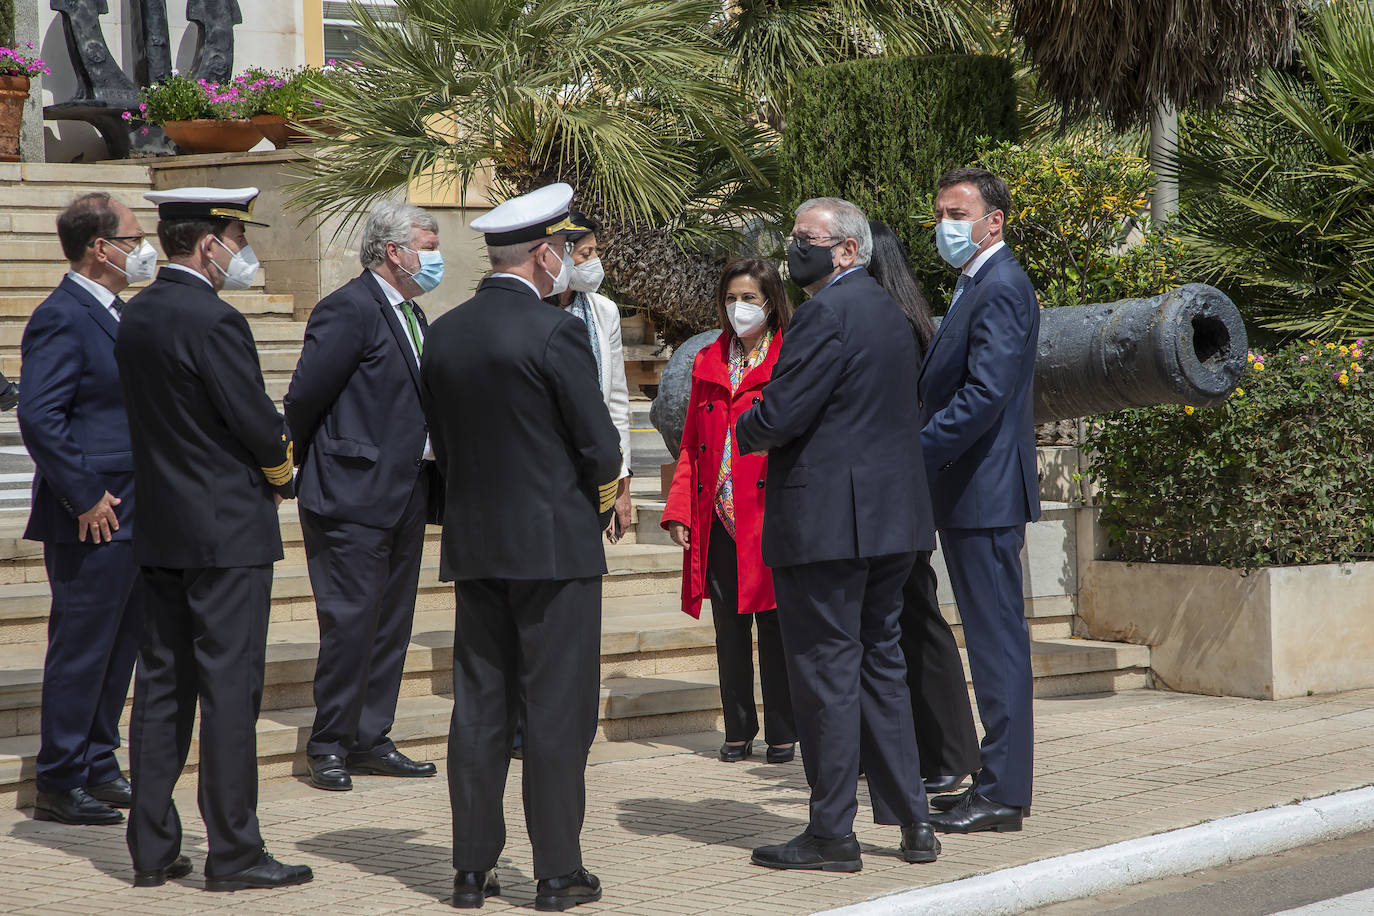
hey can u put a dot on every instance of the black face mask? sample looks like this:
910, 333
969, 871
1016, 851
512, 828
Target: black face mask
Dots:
809, 263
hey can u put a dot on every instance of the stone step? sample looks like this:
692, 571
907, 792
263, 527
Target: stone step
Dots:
18, 308
102, 176
37, 278
56, 196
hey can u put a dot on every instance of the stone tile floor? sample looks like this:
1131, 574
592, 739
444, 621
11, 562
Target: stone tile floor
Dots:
669, 828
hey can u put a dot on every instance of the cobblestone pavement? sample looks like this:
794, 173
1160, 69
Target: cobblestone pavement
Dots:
669, 828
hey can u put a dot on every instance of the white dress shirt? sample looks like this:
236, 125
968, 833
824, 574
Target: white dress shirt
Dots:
101, 294
971, 268
394, 297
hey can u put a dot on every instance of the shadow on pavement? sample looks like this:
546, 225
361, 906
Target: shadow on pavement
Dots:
102, 846
421, 866
715, 821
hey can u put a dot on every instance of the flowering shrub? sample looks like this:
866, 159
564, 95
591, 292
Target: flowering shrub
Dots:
293, 94
180, 98
1278, 475
1079, 223
14, 62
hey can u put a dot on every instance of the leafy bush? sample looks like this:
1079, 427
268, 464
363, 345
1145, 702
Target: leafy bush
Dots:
1078, 223
6, 21
880, 132
1279, 187
1278, 475
180, 98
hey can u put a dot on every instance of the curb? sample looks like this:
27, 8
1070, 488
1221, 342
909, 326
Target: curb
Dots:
1097, 871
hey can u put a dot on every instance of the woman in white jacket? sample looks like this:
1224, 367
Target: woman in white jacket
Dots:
602, 318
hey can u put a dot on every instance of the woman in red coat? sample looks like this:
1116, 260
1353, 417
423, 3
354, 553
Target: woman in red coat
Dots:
715, 509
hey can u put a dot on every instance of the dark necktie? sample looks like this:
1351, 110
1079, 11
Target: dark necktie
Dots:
964, 282
118, 306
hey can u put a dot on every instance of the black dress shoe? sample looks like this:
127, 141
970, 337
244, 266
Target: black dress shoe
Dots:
778, 754
919, 843
327, 771
390, 764
74, 806
179, 868
266, 872
117, 793
975, 813
813, 852
939, 785
472, 888
950, 802
567, 891
734, 753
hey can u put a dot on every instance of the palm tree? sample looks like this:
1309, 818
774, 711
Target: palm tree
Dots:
649, 108
1281, 214
1135, 63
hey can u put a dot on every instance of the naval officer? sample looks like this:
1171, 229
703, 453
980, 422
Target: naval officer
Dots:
530, 460
212, 461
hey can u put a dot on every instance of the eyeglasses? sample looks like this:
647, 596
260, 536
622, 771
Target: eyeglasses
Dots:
121, 238
804, 243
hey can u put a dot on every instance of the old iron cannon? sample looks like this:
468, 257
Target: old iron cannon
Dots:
1185, 346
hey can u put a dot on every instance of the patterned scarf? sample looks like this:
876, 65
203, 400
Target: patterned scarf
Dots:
581, 307
739, 366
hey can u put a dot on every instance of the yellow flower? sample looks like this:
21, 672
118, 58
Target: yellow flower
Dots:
1249, 357
1188, 410
1355, 366
1344, 350
1330, 346
1344, 380
1240, 391
1259, 367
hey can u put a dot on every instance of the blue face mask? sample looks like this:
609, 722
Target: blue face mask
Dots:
954, 239
431, 272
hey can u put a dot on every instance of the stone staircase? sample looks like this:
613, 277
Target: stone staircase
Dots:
657, 664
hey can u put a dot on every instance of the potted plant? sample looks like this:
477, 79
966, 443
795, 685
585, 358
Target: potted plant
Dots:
1243, 533
17, 65
200, 116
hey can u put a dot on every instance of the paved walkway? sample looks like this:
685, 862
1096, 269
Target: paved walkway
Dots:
669, 828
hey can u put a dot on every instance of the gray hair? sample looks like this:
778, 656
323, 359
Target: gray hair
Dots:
846, 221
509, 255
391, 221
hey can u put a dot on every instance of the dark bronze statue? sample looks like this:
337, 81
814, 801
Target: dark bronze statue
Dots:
1186, 346
104, 93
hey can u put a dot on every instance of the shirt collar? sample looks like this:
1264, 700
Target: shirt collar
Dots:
532, 287
972, 267
195, 273
841, 275
101, 294
393, 295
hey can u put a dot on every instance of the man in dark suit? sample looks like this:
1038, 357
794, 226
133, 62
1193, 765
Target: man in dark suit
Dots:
212, 461
530, 460
363, 492
845, 509
75, 429
978, 437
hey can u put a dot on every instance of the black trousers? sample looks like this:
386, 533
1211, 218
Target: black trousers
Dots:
945, 732
94, 629
540, 639
364, 580
205, 638
735, 652
848, 678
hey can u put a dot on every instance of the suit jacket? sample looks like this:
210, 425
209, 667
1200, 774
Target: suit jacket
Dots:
977, 416
354, 408
209, 447
845, 475
529, 455
72, 415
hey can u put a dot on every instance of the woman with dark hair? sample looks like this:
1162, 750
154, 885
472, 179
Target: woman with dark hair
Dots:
715, 509
945, 736
582, 267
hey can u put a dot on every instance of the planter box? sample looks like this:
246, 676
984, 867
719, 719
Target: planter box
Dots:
1279, 632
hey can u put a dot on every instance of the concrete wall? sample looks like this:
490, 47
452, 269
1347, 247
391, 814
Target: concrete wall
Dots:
272, 35
310, 255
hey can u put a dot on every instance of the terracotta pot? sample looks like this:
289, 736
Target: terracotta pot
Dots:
274, 128
207, 135
14, 92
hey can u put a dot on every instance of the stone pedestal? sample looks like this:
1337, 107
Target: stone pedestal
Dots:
1273, 634
26, 28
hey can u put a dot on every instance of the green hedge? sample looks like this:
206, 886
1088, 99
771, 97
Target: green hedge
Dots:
879, 132
6, 22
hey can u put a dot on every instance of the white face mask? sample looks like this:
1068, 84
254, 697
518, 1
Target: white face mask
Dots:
587, 276
560, 280
140, 265
243, 267
745, 317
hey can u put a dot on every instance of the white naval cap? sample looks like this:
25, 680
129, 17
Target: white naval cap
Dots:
530, 217
205, 203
